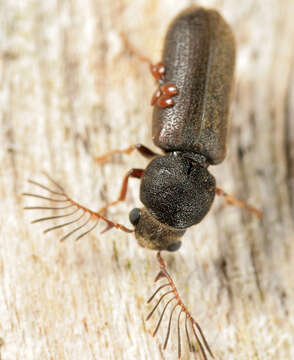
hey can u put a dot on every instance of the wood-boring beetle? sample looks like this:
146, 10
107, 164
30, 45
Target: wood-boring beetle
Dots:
190, 125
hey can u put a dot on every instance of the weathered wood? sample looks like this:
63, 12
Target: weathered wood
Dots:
69, 90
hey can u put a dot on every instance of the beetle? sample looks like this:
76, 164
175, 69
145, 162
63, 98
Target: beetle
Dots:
190, 125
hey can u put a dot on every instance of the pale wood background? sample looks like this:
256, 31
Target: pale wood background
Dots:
69, 90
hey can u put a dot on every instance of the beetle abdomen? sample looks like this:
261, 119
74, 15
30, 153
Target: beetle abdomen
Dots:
199, 57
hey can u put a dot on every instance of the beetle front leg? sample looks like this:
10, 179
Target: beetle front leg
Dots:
134, 173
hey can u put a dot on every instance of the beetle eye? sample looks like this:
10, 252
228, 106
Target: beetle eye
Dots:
174, 246
134, 216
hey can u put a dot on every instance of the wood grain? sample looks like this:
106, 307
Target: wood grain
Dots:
70, 91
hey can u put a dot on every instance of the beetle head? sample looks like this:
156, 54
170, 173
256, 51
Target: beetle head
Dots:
152, 234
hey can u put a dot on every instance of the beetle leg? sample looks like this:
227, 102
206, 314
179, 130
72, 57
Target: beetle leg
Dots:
191, 326
231, 200
134, 173
133, 50
157, 70
162, 96
143, 150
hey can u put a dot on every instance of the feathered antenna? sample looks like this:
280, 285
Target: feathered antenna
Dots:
85, 219
170, 288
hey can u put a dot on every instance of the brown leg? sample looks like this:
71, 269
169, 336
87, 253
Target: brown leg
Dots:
133, 50
231, 200
157, 70
135, 173
143, 150
162, 96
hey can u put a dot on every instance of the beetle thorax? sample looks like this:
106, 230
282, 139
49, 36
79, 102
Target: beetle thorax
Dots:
176, 190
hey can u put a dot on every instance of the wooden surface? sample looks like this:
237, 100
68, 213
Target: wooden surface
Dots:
69, 90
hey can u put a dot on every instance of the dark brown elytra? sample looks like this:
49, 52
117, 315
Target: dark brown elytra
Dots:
190, 124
